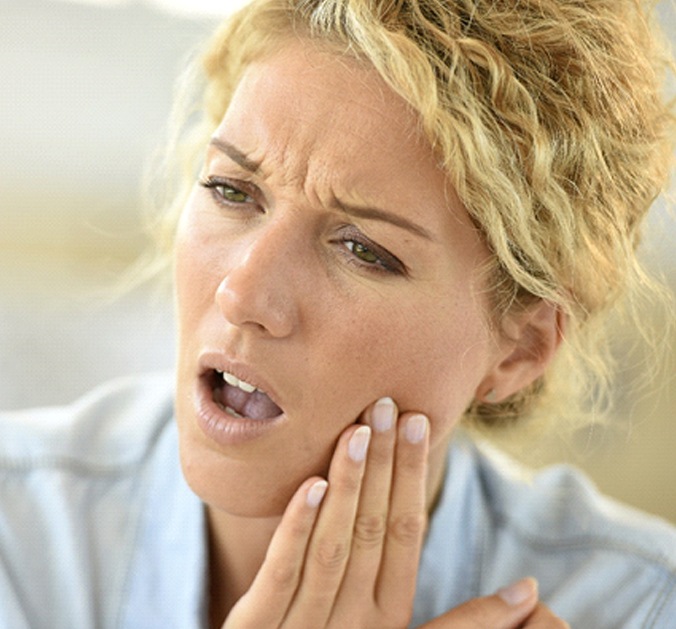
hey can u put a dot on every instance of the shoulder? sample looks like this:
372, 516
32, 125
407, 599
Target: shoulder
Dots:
560, 507
77, 484
108, 429
583, 546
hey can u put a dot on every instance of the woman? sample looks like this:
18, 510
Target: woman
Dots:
405, 216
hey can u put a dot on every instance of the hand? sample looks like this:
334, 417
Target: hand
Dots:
512, 607
346, 553
352, 563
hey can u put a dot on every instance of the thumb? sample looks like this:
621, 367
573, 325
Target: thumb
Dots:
508, 608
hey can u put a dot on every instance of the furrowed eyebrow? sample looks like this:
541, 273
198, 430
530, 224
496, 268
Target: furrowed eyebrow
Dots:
236, 155
383, 215
372, 213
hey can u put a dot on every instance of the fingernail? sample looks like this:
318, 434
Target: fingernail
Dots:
519, 592
383, 414
416, 427
359, 443
316, 493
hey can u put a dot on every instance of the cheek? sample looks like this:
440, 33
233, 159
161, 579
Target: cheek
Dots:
442, 374
426, 360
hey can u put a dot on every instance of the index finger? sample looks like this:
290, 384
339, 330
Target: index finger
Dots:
268, 599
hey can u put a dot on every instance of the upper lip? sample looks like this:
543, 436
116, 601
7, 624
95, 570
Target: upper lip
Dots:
219, 361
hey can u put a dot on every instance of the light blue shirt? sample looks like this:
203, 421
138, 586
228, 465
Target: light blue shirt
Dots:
98, 529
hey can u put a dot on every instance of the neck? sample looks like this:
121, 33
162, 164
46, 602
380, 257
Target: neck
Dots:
237, 547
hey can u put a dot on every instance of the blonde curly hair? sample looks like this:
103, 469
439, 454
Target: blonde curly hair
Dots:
547, 115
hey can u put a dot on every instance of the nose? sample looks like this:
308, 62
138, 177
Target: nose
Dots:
257, 291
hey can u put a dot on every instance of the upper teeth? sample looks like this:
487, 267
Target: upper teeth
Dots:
236, 382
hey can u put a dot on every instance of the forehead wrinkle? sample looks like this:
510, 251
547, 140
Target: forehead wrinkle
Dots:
304, 153
290, 153
275, 153
299, 137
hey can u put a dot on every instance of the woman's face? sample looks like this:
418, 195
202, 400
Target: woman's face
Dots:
324, 259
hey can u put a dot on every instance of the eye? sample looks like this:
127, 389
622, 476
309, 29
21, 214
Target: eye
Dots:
225, 192
368, 255
362, 252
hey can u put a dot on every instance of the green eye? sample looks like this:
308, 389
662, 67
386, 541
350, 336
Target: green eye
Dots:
233, 195
224, 192
362, 252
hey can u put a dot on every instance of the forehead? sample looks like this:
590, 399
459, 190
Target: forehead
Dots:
308, 99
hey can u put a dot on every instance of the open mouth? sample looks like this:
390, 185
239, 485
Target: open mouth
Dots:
239, 398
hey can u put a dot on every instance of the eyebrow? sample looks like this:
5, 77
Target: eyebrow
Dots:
371, 213
236, 155
383, 215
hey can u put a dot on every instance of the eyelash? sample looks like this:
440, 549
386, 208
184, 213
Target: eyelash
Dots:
385, 262
214, 183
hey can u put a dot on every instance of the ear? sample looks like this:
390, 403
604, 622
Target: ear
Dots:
529, 342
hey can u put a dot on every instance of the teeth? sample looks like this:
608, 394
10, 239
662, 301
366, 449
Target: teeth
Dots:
232, 411
234, 381
229, 409
230, 379
245, 386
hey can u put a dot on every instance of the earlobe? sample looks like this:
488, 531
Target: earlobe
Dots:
532, 338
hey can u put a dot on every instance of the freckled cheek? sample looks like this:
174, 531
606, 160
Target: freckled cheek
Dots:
425, 364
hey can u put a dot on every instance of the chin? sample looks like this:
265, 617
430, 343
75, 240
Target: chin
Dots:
240, 487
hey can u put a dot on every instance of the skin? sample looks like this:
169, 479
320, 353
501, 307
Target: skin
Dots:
284, 268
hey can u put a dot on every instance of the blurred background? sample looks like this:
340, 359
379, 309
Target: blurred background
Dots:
85, 91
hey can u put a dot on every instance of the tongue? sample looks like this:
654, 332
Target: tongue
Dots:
260, 406
256, 405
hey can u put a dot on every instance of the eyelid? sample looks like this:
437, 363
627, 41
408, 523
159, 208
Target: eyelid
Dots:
389, 262
212, 182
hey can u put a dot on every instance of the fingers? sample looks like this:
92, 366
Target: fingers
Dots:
407, 517
390, 520
508, 608
363, 556
371, 520
267, 601
329, 549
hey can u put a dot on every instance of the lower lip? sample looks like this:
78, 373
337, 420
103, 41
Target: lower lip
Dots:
225, 429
